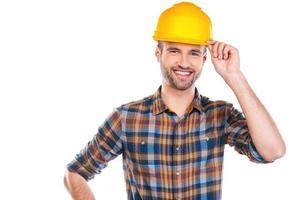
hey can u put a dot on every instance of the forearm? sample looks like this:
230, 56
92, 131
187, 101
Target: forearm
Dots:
78, 187
262, 128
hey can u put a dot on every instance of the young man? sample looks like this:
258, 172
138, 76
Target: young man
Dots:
172, 142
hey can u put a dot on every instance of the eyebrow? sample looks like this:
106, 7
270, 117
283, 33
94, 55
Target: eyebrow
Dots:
174, 48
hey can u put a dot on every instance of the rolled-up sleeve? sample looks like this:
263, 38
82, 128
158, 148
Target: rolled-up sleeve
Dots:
237, 134
105, 146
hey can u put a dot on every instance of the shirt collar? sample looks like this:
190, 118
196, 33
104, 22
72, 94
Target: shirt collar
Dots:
159, 105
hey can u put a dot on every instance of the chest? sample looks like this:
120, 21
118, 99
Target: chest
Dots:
153, 142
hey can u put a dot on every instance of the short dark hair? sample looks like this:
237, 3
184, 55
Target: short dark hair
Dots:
160, 45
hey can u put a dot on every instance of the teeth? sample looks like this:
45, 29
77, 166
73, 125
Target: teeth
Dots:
183, 73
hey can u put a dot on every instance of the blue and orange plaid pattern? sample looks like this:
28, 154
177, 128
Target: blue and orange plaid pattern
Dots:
164, 156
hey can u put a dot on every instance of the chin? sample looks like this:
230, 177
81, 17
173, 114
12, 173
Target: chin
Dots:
182, 87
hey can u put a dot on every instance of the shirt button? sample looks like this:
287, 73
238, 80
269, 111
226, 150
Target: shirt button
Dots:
206, 138
177, 173
178, 198
177, 148
143, 142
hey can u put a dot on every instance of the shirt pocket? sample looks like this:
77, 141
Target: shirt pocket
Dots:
141, 150
206, 147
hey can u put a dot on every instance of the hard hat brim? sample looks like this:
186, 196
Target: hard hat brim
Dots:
182, 40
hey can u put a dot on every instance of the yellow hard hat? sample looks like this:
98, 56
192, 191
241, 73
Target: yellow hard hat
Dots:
184, 23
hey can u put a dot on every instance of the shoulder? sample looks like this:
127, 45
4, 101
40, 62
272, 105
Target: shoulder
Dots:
139, 105
210, 104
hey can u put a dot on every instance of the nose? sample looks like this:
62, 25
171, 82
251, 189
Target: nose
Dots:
183, 61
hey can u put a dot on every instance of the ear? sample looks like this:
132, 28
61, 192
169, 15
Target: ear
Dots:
157, 54
204, 58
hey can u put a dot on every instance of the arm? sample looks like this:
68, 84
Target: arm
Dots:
262, 128
106, 145
77, 187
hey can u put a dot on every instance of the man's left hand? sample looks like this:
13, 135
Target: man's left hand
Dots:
225, 58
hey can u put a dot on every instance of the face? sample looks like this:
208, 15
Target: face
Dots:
181, 64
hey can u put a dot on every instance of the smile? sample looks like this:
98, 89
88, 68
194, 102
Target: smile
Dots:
182, 74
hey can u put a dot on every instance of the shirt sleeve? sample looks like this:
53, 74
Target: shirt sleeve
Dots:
105, 146
237, 134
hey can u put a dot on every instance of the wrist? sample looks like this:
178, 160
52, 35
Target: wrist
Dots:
233, 76
235, 80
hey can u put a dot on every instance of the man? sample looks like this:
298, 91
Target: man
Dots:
172, 142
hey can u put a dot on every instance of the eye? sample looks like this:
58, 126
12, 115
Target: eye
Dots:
173, 51
195, 54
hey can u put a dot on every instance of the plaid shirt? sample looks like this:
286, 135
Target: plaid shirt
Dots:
164, 156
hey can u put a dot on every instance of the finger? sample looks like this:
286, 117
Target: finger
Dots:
226, 51
211, 41
220, 50
210, 49
232, 51
215, 49
210, 46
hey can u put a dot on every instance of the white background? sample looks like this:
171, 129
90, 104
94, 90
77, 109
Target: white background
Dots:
64, 65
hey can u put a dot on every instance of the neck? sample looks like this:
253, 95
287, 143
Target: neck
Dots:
177, 100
